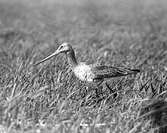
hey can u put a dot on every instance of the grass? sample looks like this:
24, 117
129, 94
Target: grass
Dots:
49, 98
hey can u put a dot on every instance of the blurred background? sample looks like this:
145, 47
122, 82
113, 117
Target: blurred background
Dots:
41, 13
47, 20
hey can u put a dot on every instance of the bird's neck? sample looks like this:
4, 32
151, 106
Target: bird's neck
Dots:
72, 59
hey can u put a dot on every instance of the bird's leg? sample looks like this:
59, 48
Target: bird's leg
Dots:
99, 88
108, 87
111, 90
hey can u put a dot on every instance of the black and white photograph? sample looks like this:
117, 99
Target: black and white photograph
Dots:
83, 66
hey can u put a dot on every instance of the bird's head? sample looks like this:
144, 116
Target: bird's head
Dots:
63, 48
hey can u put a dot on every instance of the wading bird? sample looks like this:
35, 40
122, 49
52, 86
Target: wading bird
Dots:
90, 73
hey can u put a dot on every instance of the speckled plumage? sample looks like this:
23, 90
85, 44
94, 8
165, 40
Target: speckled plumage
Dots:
84, 72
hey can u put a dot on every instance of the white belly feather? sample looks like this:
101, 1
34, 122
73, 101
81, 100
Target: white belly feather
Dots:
83, 72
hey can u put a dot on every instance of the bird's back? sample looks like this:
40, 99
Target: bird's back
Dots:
110, 71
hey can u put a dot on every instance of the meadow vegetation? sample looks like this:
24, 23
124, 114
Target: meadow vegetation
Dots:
49, 98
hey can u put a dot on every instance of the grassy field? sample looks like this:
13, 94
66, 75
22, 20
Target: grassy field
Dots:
49, 98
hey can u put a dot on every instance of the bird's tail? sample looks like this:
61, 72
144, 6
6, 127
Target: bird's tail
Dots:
124, 71
131, 71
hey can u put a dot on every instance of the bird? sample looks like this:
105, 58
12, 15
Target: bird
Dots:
90, 73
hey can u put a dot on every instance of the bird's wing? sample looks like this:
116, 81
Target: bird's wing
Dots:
110, 71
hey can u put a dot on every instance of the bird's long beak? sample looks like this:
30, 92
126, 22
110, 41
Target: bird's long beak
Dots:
48, 57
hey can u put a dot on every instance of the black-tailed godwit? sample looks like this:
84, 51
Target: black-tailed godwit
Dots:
90, 73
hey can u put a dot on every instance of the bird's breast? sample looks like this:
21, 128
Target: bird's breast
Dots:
84, 73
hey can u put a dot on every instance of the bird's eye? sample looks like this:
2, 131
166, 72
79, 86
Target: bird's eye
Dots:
61, 47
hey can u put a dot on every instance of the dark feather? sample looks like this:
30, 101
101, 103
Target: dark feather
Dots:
110, 71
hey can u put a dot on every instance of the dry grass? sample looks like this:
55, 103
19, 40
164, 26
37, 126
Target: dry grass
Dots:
48, 97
